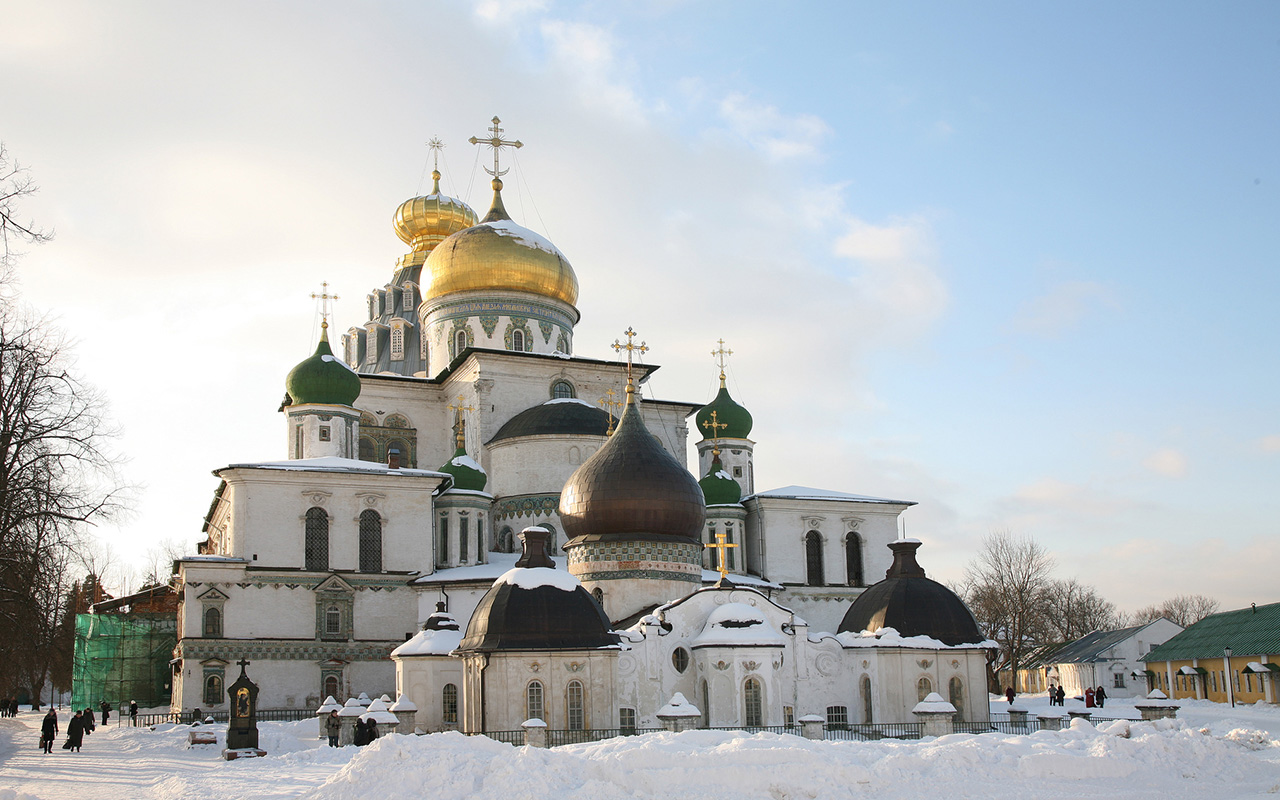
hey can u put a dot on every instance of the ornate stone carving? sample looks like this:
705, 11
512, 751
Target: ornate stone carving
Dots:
751, 666
924, 663
317, 497
490, 323
721, 665
813, 523
545, 327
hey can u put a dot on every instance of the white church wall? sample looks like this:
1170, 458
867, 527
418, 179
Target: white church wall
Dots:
460, 600
509, 674
537, 464
422, 679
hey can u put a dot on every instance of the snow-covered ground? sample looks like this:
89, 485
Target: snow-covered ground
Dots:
1211, 752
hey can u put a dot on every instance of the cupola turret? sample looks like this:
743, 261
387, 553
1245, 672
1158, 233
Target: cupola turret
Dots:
320, 393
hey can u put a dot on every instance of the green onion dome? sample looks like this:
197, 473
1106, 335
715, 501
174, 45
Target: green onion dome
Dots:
467, 473
323, 378
733, 419
718, 487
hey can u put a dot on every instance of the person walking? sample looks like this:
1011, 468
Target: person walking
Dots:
332, 726
133, 713
89, 722
75, 734
1062, 696
48, 730
1009, 694
1100, 696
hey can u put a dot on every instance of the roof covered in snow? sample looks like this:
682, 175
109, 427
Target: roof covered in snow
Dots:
810, 493
334, 464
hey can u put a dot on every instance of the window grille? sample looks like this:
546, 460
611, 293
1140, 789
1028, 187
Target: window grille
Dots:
316, 546
576, 706
449, 704
533, 701
370, 541
752, 701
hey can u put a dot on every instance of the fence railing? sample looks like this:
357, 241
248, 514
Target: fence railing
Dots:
792, 729
509, 737
187, 717
880, 730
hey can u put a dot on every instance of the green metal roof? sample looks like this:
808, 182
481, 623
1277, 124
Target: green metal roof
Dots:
735, 419
1247, 631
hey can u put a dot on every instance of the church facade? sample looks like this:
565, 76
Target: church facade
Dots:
455, 418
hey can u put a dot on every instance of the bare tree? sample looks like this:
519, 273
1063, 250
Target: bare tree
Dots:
16, 183
1074, 609
1005, 586
1185, 609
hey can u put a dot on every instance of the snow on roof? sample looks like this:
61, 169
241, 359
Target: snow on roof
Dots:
340, 361
889, 637
403, 703
679, 707
335, 464
810, 493
480, 573
711, 576
568, 400
738, 625
215, 558
536, 577
506, 227
467, 461
430, 643
933, 704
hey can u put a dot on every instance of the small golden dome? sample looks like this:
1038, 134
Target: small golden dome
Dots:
424, 222
499, 254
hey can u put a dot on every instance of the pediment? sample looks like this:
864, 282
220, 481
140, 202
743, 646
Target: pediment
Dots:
214, 662
212, 594
334, 584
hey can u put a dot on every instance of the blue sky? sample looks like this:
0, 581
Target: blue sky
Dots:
1013, 261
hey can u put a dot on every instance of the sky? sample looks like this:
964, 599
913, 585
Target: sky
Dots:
1014, 262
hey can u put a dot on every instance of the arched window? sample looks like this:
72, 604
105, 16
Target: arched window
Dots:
316, 550
517, 341
533, 701
706, 705
459, 342
955, 690
753, 703
464, 537
399, 444
813, 559
449, 704
368, 452
598, 594
562, 390
213, 690
506, 541
923, 687
853, 559
331, 686
333, 621
866, 700
575, 705
370, 541
213, 622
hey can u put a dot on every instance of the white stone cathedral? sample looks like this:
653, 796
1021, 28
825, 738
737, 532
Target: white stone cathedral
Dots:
456, 419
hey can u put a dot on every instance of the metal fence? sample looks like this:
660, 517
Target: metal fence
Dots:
794, 730
187, 717
862, 732
509, 737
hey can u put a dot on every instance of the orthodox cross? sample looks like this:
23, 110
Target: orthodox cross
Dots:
631, 347
496, 143
436, 146
324, 297
719, 353
714, 425
242, 663
611, 406
459, 425
722, 549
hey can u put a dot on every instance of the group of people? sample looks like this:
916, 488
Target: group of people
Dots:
366, 730
1092, 697
9, 707
79, 726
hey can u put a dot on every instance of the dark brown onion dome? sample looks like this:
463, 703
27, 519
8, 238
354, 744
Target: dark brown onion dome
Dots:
632, 488
560, 416
912, 604
537, 607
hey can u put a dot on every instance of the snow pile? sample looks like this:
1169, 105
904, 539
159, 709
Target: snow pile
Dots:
468, 462
889, 637
933, 703
430, 643
526, 237
1156, 760
679, 707
535, 577
738, 624
568, 400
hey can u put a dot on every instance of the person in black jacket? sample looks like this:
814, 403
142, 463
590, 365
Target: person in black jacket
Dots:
48, 731
89, 722
106, 712
133, 713
1100, 696
75, 734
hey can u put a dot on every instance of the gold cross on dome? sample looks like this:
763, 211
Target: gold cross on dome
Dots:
719, 354
459, 422
722, 549
631, 347
436, 146
324, 297
496, 143
714, 425
611, 406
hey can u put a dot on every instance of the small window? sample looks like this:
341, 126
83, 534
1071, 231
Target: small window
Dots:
449, 704
753, 702
459, 342
680, 659
598, 594
517, 341
737, 472
333, 621
213, 622
788, 716
562, 390
397, 343
331, 686
838, 718
576, 706
627, 721
923, 687
297, 441
533, 701
955, 693
213, 690
1118, 681
325, 436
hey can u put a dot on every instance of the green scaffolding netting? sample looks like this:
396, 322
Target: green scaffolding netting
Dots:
123, 657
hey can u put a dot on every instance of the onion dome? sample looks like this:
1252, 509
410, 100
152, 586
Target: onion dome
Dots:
466, 472
912, 604
632, 488
423, 222
564, 416
323, 378
499, 254
537, 607
732, 420
718, 487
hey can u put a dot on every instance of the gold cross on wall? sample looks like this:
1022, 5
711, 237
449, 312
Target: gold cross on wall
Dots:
459, 423
722, 549
611, 407
324, 297
496, 143
631, 347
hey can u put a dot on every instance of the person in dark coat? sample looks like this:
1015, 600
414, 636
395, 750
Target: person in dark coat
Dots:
1100, 696
75, 734
1062, 695
106, 712
89, 722
1009, 694
360, 737
48, 731
332, 726
133, 713
371, 731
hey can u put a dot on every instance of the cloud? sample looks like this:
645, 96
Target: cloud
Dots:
767, 129
895, 273
497, 10
1062, 308
1270, 444
1168, 462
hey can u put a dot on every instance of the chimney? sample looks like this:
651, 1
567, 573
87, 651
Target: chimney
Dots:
904, 559
393, 459
534, 553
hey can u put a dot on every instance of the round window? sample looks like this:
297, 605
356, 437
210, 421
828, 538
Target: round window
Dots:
680, 659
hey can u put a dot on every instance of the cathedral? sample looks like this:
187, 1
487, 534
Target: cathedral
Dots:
475, 518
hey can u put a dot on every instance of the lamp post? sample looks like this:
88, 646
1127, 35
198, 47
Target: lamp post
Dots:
1226, 651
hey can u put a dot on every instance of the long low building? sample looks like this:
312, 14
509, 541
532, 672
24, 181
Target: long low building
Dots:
1229, 657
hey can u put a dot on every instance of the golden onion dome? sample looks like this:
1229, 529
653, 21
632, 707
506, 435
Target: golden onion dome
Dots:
499, 254
424, 222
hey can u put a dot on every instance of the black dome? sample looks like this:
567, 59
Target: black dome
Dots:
911, 604
544, 617
563, 416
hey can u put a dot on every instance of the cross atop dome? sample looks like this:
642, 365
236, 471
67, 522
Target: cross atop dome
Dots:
631, 347
496, 143
324, 297
436, 144
719, 354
